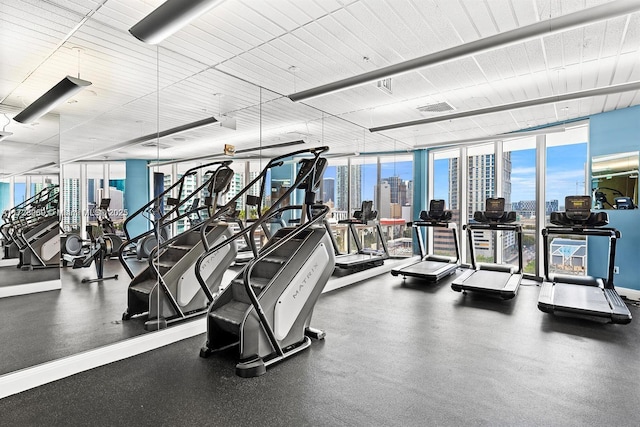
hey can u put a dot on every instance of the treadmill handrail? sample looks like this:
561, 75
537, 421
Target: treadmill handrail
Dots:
612, 233
517, 228
436, 224
579, 231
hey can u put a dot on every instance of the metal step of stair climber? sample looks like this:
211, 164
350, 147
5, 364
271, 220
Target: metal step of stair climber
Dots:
167, 290
267, 309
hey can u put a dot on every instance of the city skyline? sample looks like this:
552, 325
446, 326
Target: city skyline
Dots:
566, 170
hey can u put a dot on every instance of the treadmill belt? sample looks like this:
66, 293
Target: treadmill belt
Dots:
357, 259
427, 268
487, 279
587, 298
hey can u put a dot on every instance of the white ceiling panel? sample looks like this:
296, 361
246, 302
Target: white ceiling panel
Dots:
217, 64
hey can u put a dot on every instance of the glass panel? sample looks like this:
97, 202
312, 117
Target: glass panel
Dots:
480, 186
566, 172
520, 184
445, 187
72, 209
395, 209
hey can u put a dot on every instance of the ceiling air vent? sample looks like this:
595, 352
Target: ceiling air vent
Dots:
438, 107
155, 144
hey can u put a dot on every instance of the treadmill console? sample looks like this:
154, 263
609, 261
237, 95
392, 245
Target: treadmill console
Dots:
578, 214
436, 212
494, 212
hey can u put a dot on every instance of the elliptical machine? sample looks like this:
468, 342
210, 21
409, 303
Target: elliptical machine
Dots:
81, 254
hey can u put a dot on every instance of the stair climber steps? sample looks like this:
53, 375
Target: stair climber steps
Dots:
184, 248
143, 288
230, 316
269, 266
240, 292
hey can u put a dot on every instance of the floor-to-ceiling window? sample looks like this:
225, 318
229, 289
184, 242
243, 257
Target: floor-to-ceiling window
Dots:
566, 172
519, 181
445, 168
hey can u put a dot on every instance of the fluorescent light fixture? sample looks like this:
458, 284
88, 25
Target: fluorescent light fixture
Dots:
173, 131
608, 90
244, 150
518, 35
144, 138
62, 91
168, 18
496, 137
4, 135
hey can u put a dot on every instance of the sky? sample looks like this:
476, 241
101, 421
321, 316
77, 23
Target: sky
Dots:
565, 173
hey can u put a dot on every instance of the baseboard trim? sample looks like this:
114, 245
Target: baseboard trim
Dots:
632, 294
9, 262
30, 288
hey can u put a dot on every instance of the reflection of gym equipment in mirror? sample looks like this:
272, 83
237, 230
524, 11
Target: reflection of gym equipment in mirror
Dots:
363, 258
30, 232
432, 267
82, 253
492, 278
166, 289
583, 296
266, 310
615, 181
620, 201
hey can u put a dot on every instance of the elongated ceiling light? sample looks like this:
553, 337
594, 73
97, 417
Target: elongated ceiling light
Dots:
518, 35
241, 151
62, 91
144, 138
170, 17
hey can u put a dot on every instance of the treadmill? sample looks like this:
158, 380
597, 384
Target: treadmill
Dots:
582, 296
363, 258
497, 279
432, 267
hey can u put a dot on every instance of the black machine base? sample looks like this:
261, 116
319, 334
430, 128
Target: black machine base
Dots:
155, 324
251, 368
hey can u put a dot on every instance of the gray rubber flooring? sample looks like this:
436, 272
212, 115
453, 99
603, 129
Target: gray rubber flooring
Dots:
11, 275
45, 326
418, 354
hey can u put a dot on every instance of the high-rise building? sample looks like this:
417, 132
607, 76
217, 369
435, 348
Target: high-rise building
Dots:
343, 187
71, 210
398, 190
328, 190
481, 184
382, 200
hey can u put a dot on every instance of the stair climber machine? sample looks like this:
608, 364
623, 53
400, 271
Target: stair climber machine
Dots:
432, 267
167, 289
492, 278
266, 310
581, 296
31, 232
37, 235
363, 258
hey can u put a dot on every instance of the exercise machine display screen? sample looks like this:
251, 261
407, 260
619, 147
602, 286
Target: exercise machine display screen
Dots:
495, 204
577, 203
